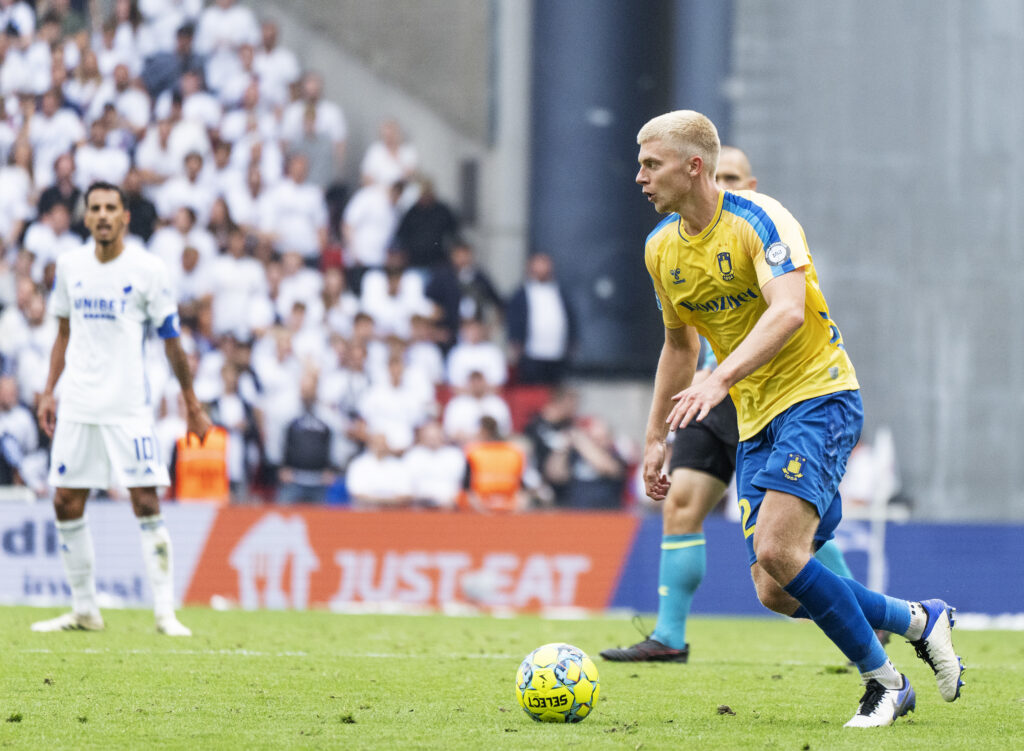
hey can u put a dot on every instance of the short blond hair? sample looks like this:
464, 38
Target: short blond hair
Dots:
689, 132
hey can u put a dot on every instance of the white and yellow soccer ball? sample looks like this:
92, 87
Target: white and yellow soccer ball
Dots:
557, 683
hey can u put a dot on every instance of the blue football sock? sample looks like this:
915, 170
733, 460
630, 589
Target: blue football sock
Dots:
832, 557
834, 608
683, 562
883, 612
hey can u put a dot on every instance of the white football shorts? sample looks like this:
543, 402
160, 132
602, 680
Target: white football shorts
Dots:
124, 455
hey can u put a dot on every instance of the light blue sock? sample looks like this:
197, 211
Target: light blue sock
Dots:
683, 563
833, 558
835, 609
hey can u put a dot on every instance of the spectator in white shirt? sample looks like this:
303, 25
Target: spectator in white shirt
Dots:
189, 190
368, 226
110, 54
297, 214
154, 158
17, 192
246, 202
32, 356
393, 295
463, 412
128, 21
192, 285
377, 478
15, 73
389, 159
163, 18
279, 372
249, 117
21, 462
129, 99
96, 160
397, 403
340, 304
342, 388
52, 130
224, 175
39, 54
238, 283
423, 352
197, 104
48, 238
187, 135
329, 118
18, 15
277, 67
475, 352
268, 155
225, 25
82, 87
300, 283
437, 468
170, 241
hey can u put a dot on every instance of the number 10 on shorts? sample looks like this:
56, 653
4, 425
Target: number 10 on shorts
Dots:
144, 448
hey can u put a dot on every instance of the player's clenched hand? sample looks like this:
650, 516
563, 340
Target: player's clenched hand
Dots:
655, 481
46, 412
695, 402
198, 421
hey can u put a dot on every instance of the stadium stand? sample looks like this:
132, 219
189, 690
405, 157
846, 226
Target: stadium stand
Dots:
232, 159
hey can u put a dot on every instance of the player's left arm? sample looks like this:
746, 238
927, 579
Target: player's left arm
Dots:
784, 295
198, 420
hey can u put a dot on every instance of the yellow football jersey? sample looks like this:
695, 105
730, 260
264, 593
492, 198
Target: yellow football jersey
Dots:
712, 281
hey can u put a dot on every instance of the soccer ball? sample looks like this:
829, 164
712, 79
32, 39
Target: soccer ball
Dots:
557, 683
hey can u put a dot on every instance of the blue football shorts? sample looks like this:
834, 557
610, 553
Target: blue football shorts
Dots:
803, 452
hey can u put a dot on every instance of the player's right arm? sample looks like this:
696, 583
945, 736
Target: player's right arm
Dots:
676, 367
46, 410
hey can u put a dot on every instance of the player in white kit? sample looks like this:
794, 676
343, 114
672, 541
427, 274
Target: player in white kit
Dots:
104, 297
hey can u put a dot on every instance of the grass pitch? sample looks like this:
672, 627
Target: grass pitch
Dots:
274, 680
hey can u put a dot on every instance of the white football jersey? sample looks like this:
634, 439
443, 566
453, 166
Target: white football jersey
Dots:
109, 306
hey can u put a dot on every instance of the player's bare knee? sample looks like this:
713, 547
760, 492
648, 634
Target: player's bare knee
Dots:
770, 593
775, 558
145, 501
69, 504
775, 599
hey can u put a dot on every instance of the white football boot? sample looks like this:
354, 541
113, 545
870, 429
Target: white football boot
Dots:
169, 625
70, 622
935, 647
880, 706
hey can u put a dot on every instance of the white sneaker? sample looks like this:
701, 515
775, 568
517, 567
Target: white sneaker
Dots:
880, 706
168, 625
70, 622
935, 647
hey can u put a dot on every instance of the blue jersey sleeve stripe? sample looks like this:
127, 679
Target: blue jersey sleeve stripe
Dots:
655, 288
661, 225
754, 215
783, 268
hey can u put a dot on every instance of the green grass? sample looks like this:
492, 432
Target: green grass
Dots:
318, 680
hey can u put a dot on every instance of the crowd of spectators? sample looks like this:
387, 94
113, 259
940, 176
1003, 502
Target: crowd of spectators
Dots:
343, 336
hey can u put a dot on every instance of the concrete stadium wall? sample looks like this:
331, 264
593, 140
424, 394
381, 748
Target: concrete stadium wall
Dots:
893, 133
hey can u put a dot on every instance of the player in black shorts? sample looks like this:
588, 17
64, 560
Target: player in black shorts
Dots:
702, 465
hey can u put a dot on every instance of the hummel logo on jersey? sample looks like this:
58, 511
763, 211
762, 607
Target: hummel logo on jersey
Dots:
675, 276
61, 469
128, 289
77, 285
